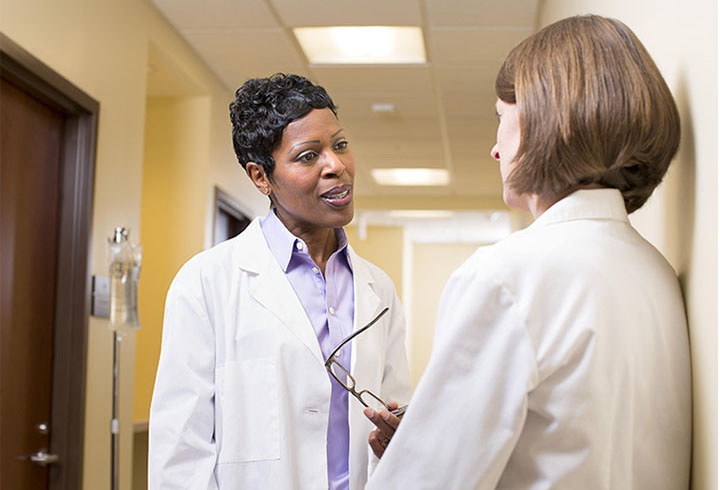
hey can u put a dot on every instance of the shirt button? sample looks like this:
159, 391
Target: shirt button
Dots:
315, 270
332, 310
299, 246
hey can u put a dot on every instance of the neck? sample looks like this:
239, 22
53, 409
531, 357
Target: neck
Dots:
321, 241
321, 245
537, 205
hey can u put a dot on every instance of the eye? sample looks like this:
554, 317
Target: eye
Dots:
341, 145
307, 157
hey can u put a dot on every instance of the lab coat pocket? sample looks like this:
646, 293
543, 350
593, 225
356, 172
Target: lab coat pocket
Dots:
250, 412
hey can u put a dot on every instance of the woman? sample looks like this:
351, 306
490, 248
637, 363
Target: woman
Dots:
561, 355
242, 398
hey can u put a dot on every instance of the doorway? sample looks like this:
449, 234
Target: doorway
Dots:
229, 220
47, 155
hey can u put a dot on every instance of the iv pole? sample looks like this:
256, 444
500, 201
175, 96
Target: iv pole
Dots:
125, 260
115, 421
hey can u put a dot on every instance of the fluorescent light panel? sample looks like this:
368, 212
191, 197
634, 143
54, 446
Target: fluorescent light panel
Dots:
362, 44
410, 176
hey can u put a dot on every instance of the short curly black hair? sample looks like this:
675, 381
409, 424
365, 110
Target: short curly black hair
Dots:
263, 107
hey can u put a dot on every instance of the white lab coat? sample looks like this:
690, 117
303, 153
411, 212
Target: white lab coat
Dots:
242, 396
560, 361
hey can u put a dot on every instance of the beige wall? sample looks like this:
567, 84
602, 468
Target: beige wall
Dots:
101, 46
681, 218
383, 247
431, 266
173, 201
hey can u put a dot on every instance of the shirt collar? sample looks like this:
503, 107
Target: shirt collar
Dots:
586, 204
283, 244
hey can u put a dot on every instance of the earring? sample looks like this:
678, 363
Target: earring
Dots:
265, 191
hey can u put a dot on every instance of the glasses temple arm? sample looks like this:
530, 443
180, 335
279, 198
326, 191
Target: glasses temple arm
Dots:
355, 334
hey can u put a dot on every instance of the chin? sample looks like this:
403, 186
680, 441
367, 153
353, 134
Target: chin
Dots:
347, 217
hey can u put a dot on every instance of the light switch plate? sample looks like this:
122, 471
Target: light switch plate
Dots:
100, 297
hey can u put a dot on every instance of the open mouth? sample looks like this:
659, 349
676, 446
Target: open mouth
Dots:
339, 196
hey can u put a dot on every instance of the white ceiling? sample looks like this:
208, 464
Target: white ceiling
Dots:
444, 114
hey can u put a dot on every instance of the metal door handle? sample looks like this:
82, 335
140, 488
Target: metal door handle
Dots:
43, 458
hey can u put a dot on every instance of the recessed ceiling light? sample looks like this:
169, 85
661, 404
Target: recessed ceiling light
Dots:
362, 44
383, 108
410, 176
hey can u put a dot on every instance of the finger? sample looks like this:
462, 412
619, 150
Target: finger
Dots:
385, 430
391, 420
380, 422
377, 443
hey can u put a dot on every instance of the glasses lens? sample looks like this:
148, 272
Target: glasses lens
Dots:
372, 401
342, 376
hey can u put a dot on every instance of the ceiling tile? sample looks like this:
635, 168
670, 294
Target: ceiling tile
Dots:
477, 78
481, 12
468, 106
359, 107
473, 179
373, 79
395, 150
472, 141
207, 14
234, 56
306, 13
473, 46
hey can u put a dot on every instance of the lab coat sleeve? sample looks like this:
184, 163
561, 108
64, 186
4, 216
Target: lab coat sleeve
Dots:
182, 450
471, 403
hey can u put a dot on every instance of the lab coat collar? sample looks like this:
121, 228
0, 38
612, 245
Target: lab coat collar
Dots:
585, 204
367, 302
282, 242
271, 287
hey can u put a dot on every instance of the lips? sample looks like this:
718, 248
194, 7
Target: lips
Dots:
339, 196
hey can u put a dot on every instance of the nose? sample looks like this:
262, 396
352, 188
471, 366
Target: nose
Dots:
495, 153
334, 165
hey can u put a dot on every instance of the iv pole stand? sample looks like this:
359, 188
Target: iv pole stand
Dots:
115, 421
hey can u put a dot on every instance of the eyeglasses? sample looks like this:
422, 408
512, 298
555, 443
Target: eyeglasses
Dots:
346, 380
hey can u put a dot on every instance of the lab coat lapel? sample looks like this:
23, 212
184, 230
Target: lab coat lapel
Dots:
364, 359
272, 289
367, 306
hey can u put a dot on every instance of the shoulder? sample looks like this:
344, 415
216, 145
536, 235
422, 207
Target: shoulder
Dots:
365, 267
213, 265
364, 270
492, 262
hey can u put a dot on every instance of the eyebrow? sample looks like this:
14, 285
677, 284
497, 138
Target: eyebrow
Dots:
315, 141
303, 143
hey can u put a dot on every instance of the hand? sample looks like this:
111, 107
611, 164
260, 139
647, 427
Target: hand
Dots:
386, 424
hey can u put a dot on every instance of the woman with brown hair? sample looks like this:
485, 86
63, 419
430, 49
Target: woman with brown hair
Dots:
561, 355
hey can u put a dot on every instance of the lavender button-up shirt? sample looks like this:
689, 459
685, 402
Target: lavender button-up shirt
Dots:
330, 305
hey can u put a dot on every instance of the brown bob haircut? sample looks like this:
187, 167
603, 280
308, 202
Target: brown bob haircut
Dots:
594, 110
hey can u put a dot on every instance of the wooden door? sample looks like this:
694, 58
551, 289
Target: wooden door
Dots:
30, 161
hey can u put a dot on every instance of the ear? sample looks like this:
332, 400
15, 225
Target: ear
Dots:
257, 175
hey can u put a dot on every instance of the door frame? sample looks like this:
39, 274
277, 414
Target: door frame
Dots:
226, 202
72, 299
